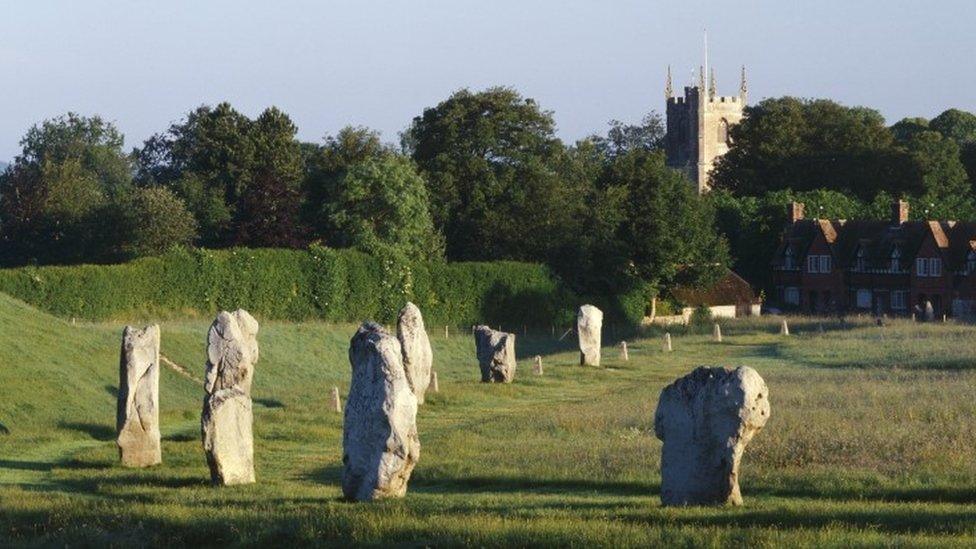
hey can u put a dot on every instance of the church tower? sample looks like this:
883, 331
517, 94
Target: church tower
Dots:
698, 126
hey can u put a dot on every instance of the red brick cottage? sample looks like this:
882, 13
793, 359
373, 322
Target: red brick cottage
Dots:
892, 267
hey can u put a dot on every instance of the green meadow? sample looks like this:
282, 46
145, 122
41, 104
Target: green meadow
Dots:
871, 441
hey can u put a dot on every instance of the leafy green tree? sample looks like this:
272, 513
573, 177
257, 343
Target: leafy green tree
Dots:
670, 230
211, 160
490, 159
383, 208
622, 138
155, 220
813, 144
957, 125
937, 165
51, 198
327, 165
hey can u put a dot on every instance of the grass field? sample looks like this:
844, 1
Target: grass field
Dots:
871, 441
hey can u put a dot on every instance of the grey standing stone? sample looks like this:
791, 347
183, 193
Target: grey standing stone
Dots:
226, 422
137, 414
380, 446
496, 354
589, 326
705, 420
784, 328
929, 311
418, 358
717, 333
667, 342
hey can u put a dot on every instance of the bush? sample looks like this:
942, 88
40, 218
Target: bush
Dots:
318, 283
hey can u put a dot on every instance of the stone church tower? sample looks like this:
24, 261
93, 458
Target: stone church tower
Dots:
698, 126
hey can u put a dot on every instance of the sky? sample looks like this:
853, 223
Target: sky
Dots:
328, 64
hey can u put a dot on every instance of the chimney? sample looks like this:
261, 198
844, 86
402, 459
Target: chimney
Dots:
796, 212
899, 212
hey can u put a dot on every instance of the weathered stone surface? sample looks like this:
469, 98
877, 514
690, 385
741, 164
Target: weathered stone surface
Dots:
226, 422
784, 328
667, 342
496, 354
137, 415
589, 325
929, 311
380, 446
418, 357
717, 333
705, 420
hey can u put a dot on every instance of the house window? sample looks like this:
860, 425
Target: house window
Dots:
899, 300
859, 260
825, 263
813, 264
895, 260
928, 266
789, 258
864, 299
971, 262
791, 295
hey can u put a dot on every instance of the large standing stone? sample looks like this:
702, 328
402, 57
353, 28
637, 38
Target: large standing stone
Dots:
137, 415
496, 354
380, 446
232, 351
705, 420
589, 324
418, 358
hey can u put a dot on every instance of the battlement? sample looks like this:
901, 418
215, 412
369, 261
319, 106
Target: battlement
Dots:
724, 99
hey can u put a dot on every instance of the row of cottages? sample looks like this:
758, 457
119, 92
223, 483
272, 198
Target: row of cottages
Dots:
894, 267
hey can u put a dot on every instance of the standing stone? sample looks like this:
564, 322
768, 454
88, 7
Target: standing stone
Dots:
380, 446
784, 328
418, 358
137, 414
496, 354
434, 387
232, 351
589, 325
667, 342
929, 311
717, 333
335, 400
537, 367
705, 420
624, 355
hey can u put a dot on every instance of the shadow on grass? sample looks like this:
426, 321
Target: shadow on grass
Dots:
937, 494
4, 430
269, 402
112, 390
96, 431
19, 465
463, 485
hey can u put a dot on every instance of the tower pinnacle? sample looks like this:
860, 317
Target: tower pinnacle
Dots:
712, 88
668, 90
701, 79
743, 90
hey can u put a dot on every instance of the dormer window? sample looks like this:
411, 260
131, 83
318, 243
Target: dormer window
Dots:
895, 260
789, 258
859, 262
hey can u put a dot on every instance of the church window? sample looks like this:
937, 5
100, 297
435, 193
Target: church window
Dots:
723, 131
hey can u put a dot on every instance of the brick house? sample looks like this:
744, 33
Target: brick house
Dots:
889, 267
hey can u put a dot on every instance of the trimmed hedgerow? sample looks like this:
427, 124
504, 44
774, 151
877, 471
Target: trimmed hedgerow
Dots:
318, 283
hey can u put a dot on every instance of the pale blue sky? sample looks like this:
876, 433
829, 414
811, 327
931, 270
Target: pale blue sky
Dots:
331, 63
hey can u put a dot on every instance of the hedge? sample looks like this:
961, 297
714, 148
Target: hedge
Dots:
317, 283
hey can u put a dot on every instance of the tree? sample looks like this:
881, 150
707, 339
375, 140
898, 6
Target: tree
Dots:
327, 165
53, 196
670, 230
490, 160
813, 144
211, 160
155, 220
957, 125
622, 138
383, 208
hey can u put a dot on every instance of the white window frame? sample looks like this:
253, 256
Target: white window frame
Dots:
863, 298
899, 300
791, 295
895, 261
935, 266
825, 264
859, 263
789, 258
921, 266
813, 264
